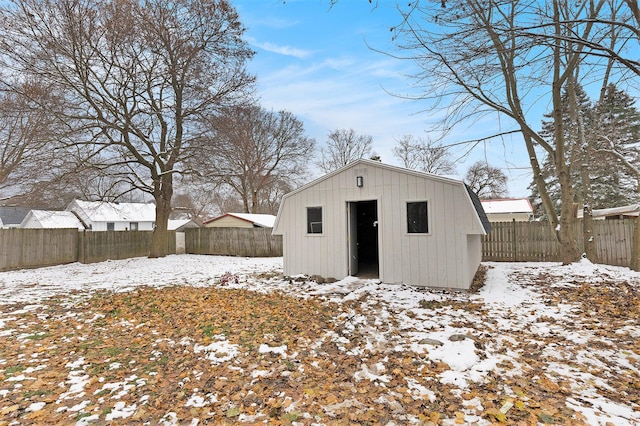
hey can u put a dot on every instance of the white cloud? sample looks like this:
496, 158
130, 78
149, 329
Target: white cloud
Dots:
280, 50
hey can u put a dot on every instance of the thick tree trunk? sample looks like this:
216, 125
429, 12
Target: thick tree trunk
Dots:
583, 148
162, 194
587, 215
568, 246
540, 183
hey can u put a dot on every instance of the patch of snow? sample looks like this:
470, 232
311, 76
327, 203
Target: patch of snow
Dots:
218, 352
121, 411
280, 350
373, 373
36, 406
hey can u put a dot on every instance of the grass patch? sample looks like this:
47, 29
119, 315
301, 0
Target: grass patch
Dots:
88, 345
208, 330
36, 393
14, 369
112, 351
81, 416
103, 392
39, 336
430, 304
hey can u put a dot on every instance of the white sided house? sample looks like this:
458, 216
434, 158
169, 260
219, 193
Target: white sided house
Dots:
372, 219
105, 216
241, 220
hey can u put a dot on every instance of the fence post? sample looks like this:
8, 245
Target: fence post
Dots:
515, 240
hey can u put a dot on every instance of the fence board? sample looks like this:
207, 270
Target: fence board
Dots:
98, 246
251, 242
536, 242
33, 248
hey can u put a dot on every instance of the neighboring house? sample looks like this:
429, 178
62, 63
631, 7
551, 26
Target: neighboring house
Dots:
508, 209
51, 219
241, 220
12, 216
105, 216
372, 219
623, 212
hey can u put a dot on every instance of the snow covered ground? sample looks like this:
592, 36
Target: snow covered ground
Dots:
524, 326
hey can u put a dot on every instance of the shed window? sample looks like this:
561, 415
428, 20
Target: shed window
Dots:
314, 220
133, 226
111, 226
417, 220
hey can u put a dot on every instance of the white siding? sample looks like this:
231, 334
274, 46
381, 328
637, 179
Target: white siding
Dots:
474, 255
441, 258
121, 226
229, 222
30, 221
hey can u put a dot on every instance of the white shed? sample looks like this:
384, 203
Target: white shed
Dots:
49, 219
372, 219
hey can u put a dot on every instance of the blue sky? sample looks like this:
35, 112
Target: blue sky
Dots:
316, 61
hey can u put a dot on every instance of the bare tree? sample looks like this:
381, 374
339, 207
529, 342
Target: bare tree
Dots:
27, 135
344, 146
486, 181
501, 58
136, 76
192, 202
426, 156
254, 151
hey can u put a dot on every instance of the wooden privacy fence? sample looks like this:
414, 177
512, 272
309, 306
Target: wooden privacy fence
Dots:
252, 242
100, 246
536, 242
33, 248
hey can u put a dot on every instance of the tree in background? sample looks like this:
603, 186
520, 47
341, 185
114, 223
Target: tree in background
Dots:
424, 155
616, 132
615, 129
136, 78
501, 58
547, 168
28, 157
612, 124
486, 181
256, 153
343, 147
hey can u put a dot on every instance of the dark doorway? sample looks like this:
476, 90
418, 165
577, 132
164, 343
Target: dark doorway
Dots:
363, 239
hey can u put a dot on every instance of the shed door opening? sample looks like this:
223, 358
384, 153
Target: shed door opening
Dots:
363, 238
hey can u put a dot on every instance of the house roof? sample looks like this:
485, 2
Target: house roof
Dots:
507, 205
630, 210
55, 219
477, 204
102, 211
261, 220
13, 215
478, 207
180, 224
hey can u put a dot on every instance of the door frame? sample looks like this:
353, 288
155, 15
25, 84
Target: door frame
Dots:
353, 260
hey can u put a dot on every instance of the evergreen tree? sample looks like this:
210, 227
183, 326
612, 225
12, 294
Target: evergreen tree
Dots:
547, 165
615, 126
613, 123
